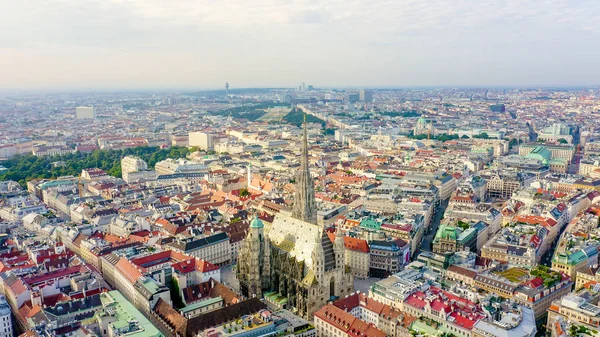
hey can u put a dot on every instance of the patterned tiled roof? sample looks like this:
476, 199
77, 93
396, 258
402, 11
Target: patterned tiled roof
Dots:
297, 237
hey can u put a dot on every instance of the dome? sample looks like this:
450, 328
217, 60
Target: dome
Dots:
256, 223
421, 120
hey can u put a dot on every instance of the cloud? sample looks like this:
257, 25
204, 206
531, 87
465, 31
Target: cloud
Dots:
273, 42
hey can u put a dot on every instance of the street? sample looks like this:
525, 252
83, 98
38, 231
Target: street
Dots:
435, 223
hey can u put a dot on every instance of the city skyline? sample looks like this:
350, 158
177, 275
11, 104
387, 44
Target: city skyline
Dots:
148, 45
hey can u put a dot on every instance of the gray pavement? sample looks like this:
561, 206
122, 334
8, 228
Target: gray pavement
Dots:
435, 223
364, 285
228, 278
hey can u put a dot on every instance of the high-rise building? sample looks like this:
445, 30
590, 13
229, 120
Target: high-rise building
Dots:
497, 108
85, 112
351, 98
366, 95
203, 140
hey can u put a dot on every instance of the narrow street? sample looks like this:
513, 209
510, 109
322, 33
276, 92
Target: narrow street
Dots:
435, 223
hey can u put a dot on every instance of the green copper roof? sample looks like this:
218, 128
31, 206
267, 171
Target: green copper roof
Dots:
256, 223
446, 232
540, 153
370, 223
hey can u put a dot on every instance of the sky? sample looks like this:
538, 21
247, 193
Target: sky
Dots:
200, 44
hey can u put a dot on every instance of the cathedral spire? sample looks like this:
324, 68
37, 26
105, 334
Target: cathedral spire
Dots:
304, 198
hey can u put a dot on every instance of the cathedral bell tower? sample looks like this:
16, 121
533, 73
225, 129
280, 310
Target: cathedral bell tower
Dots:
253, 271
304, 207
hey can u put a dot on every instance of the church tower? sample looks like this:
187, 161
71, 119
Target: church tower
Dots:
304, 199
254, 269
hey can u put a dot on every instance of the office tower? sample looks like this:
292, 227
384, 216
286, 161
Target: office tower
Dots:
351, 98
497, 108
366, 95
85, 112
203, 140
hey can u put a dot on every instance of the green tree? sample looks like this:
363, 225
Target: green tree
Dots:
296, 117
563, 141
244, 192
176, 294
27, 167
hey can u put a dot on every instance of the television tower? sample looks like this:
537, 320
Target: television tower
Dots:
226, 88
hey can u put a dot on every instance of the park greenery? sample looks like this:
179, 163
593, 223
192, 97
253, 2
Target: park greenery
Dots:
405, 114
250, 112
296, 117
27, 167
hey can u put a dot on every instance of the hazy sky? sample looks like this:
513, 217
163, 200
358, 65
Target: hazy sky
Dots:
143, 44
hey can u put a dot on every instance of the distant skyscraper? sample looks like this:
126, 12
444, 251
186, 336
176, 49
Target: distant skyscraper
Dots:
204, 141
226, 88
497, 108
351, 98
85, 112
366, 95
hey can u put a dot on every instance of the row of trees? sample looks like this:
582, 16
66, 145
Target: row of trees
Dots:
296, 117
405, 114
24, 168
250, 112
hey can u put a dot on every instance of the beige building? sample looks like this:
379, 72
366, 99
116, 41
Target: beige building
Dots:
203, 140
85, 112
214, 248
356, 256
579, 308
133, 164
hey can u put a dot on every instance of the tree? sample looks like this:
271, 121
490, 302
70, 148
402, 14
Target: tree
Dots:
296, 117
329, 132
563, 141
176, 294
27, 167
244, 192
464, 137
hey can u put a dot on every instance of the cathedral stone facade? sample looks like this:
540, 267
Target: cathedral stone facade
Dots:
292, 261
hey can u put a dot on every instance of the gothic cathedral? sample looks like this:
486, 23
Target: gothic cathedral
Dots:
292, 262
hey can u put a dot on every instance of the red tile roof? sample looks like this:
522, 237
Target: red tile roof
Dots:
56, 274
131, 273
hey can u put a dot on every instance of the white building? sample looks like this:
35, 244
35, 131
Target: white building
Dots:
85, 112
203, 140
133, 164
173, 166
6, 329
